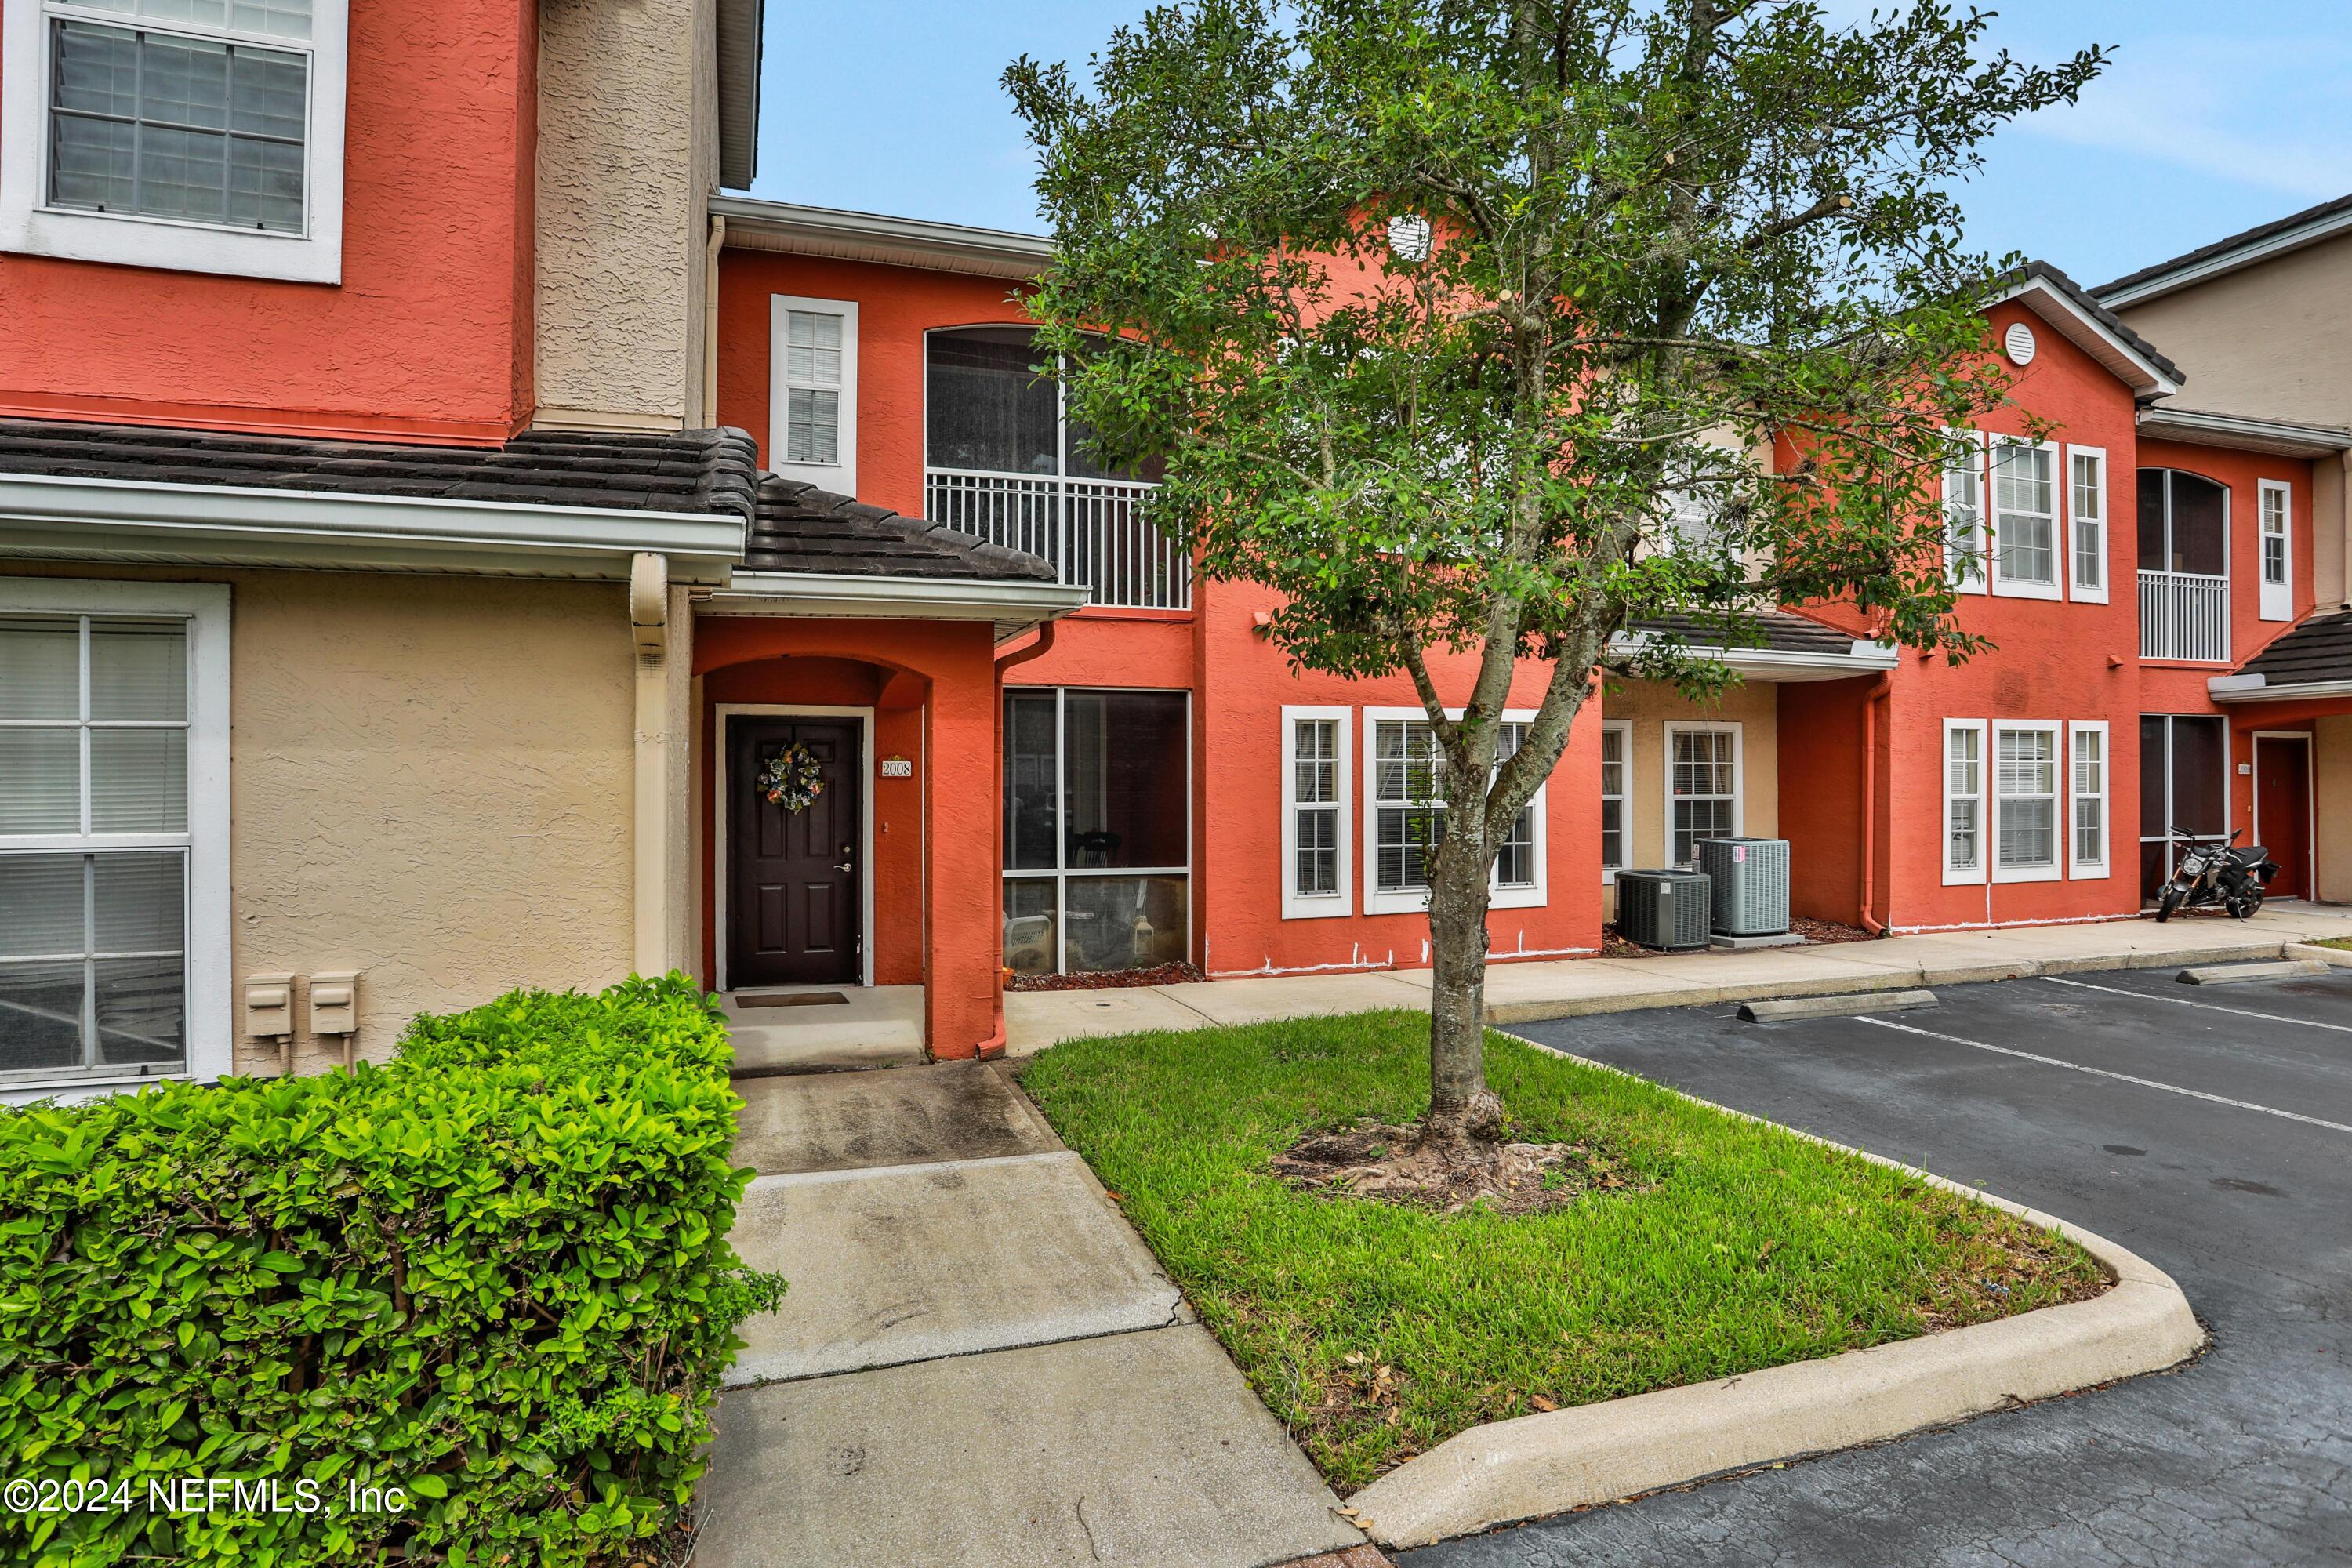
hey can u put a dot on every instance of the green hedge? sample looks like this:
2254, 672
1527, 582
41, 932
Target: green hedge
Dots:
493, 1274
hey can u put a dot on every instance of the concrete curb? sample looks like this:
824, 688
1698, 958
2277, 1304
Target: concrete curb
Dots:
1895, 978
1536, 1464
2334, 957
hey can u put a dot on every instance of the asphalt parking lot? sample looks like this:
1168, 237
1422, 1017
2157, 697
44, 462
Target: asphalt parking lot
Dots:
2214, 1143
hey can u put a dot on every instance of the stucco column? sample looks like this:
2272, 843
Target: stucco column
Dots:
962, 935
659, 625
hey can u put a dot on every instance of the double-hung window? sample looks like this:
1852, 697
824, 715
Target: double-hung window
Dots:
2087, 522
2276, 536
1702, 786
113, 833
1408, 787
1616, 787
2087, 744
813, 392
1964, 511
1316, 880
1964, 801
2026, 824
2025, 556
198, 136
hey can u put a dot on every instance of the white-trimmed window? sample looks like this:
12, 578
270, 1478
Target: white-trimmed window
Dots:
1964, 801
2275, 539
1702, 787
1405, 816
1616, 794
1964, 513
813, 392
2025, 543
2027, 825
2087, 522
1316, 880
2087, 820
114, 924
193, 135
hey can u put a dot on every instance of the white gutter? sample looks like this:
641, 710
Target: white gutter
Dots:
2287, 439
1014, 605
2176, 278
1775, 664
233, 525
2258, 688
871, 236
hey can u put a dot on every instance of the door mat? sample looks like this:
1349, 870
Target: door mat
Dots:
796, 999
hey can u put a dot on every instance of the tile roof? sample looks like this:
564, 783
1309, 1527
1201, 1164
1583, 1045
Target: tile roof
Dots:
711, 471
2250, 236
1775, 631
799, 527
2085, 300
2319, 649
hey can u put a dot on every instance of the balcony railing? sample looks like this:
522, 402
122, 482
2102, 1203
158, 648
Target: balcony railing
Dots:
1092, 531
2184, 615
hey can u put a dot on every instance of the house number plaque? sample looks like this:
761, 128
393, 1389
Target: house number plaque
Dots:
897, 768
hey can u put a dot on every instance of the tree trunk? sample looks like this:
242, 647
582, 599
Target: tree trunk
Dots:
1461, 1107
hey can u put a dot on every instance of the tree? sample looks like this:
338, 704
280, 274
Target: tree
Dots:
1499, 329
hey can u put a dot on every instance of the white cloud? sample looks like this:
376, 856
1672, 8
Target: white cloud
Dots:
2265, 111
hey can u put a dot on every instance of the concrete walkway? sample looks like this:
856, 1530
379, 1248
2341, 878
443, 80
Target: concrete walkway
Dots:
980, 1364
1563, 988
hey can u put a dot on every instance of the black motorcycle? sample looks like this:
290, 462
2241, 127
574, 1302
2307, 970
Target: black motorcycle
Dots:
2216, 871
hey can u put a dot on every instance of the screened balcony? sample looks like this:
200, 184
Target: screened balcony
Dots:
1003, 460
2184, 573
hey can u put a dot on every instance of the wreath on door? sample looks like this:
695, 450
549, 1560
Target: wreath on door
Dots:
792, 778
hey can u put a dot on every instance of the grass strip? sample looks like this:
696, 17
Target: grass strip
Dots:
1705, 1246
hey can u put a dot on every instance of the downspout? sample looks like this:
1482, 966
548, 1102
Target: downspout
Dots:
993, 1047
1870, 702
649, 629
715, 243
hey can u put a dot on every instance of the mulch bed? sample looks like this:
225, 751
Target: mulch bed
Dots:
1109, 979
1813, 931
1378, 1161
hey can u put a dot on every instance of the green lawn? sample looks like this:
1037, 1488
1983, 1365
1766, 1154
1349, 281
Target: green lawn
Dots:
1376, 1332
2337, 942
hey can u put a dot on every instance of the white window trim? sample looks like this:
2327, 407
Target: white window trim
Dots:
2076, 589
1968, 582
1296, 905
2003, 585
205, 608
2275, 600
1967, 875
2060, 797
1738, 775
28, 225
839, 478
1624, 730
1415, 900
2075, 866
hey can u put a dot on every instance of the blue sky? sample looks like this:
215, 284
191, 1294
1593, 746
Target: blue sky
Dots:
2214, 116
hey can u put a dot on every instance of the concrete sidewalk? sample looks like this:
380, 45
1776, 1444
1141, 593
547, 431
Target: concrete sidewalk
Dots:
1564, 988
980, 1364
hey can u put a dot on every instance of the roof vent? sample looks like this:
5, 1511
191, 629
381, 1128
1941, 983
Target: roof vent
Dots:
2018, 343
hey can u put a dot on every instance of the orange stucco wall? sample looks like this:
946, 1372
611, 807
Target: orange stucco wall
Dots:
429, 334
937, 916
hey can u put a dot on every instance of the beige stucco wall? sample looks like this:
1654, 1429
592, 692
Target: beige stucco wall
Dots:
2332, 781
1649, 706
430, 779
628, 153
2274, 340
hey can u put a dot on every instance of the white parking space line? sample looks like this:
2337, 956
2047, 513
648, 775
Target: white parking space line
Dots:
2102, 1072
2208, 1006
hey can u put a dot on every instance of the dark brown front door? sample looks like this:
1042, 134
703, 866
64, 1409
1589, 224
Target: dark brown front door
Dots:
2283, 810
794, 913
